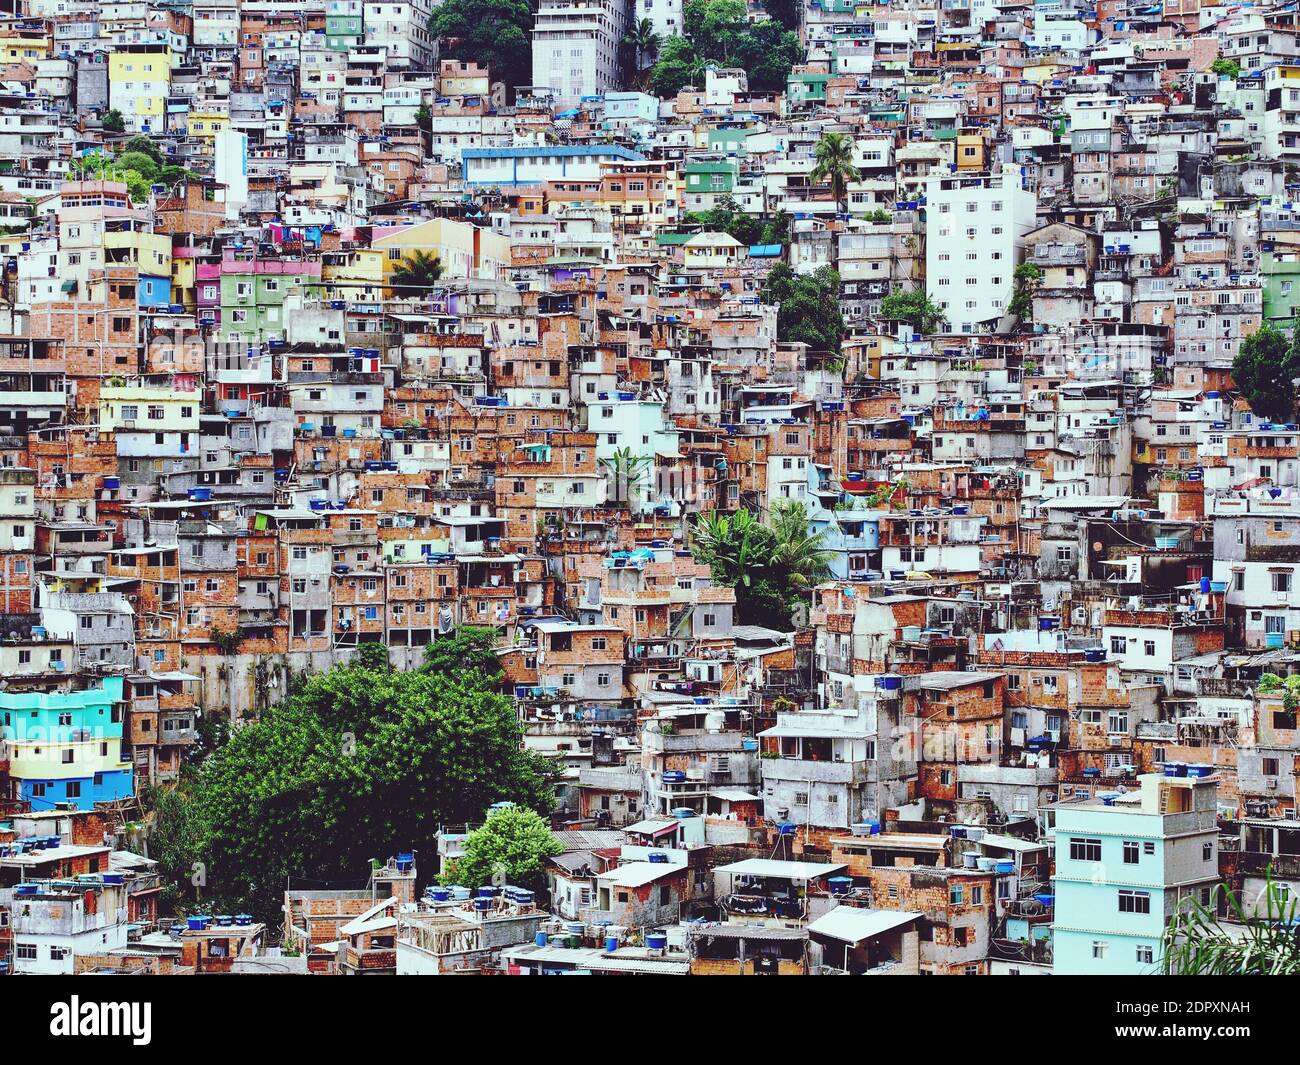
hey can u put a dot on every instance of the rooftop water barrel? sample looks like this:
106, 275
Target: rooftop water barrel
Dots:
1047, 623
575, 928
840, 885
974, 832
541, 939
911, 633
1092, 771
874, 826
987, 864
482, 904
970, 859
611, 944
658, 858
957, 831
1004, 866
175, 930
440, 894
196, 923
1094, 654
682, 811
113, 878
673, 776
243, 920
1175, 769
1274, 640
523, 897
460, 894
488, 891
890, 682
1199, 770
225, 920
1205, 585
1108, 797
786, 828
748, 744
26, 889
1045, 899
656, 941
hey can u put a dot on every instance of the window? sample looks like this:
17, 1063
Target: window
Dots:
1085, 850
1207, 852
1099, 947
1134, 901
955, 894
1145, 954
1130, 852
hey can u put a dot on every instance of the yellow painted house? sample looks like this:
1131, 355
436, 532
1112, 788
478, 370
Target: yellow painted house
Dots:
357, 274
465, 250
138, 85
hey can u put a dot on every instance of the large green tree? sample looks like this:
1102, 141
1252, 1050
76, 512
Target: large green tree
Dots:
495, 33
771, 566
719, 32
808, 306
358, 763
913, 307
1266, 370
510, 847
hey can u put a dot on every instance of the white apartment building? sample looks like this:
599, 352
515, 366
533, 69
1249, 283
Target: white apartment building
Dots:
666, 16
576, 47
402, 31
977, 225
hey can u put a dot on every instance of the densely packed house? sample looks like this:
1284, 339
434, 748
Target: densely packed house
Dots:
248, 427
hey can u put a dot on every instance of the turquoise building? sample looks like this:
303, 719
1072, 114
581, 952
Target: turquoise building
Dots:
66, 747
1125, 863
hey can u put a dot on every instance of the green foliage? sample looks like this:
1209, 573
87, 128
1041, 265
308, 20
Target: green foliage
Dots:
677, 67
628, 471
913, 307
470, 647
719, 32
1264, 371
809, 306
373, 655
726, 216
419, 271
353, 764
784, 12
227, 640
495, 33
138, 168
770, 566
1028, 277
834, 154
113, 121
145, 146
510, 847
644, 43
878, 215
1256, 943
1226, 68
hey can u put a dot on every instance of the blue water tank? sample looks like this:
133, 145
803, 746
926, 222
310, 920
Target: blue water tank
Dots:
611, 944
482, 904
1205, 585
658, 858
656, 941
541, 939
840, 885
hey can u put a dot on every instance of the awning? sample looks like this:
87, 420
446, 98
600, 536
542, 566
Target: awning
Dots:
854, 924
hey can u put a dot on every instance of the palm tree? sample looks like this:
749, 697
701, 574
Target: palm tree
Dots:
629, 472
644, 43
1197, 943
835, 164
797, 555
418, 271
